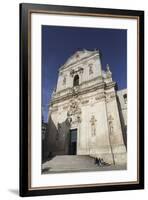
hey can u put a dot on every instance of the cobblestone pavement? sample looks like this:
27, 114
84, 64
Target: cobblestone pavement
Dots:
76, 163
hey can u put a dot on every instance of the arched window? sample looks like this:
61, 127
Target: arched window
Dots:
76, 80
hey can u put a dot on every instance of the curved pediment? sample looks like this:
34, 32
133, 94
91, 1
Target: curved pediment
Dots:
78, 56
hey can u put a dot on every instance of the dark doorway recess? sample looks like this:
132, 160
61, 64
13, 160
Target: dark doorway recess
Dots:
73, 142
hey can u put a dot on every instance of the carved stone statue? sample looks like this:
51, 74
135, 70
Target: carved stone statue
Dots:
110, 120
64, 80
53, 93
90, 69
93, 125
108, 72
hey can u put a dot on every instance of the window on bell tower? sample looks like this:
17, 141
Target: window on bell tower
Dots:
76, 80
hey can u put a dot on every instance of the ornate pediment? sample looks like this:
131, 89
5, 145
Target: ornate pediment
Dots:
78, 56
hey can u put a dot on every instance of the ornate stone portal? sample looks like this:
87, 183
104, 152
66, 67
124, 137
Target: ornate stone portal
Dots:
85, 100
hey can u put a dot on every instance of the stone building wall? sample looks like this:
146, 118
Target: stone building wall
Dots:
89, 105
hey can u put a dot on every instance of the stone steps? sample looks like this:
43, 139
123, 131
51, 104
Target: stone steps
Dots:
70, 162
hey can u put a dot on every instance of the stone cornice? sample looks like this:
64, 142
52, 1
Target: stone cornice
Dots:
110, 85
85, 82
80, 92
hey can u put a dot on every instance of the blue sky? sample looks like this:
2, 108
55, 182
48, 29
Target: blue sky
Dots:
59, 43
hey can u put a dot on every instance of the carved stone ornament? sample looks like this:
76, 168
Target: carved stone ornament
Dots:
93, 125
64, 80
75, 90
60, 73
110, 121
90, 68
77, 55
80, 69
100, 96
74, 112
65, 107
72, 72
108, 72
73, 108
77, 71
110, 96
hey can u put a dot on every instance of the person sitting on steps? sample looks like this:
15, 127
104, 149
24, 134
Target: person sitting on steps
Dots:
100, 162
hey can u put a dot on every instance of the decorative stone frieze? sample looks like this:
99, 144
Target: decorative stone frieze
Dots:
100, 96
110, 96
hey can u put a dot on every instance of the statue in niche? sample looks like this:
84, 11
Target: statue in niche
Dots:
111, 124
111, 127
93, 125
90, 69
64, 80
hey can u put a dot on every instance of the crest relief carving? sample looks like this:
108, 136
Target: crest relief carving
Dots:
74, 112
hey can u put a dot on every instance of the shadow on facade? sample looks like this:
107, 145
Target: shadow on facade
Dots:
123, 126
56, 141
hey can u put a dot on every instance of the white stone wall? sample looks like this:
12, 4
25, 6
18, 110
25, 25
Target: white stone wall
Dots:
91, 107
65, 79
123, 103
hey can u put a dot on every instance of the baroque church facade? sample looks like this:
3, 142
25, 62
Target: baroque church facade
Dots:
87, 115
